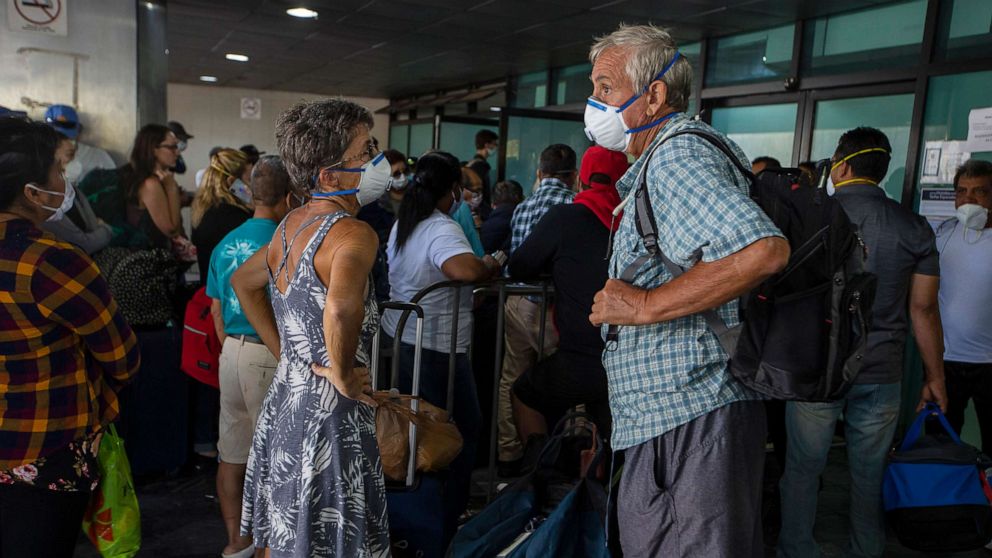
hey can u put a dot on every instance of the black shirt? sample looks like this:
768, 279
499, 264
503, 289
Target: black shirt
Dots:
900, 244
214, 226
496, 231
570, 243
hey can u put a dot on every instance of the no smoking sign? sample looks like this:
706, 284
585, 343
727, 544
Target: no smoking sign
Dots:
38, 16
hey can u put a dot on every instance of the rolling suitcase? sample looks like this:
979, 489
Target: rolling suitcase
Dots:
416, 507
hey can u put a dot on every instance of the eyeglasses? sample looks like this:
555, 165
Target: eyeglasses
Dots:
169, 146
370, 152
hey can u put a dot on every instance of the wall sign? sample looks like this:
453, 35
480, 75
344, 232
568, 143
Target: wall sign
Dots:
251, 108
38, 16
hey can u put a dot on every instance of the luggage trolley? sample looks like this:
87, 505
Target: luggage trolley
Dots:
416, 506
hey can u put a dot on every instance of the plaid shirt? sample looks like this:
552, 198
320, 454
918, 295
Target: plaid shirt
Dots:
664, 375
65, 349
550, 193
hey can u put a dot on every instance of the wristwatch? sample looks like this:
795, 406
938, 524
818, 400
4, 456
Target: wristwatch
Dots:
499, 256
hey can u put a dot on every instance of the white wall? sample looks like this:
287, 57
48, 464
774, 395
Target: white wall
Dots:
106, 31
213, 116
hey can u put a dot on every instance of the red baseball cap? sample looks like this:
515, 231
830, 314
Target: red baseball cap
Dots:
599, 160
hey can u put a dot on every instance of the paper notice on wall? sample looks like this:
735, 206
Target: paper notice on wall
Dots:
941, 160
251, 108
980, 129
936, 204
38, 16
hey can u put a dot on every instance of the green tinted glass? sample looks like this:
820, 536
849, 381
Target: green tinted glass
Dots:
887, 36
572, 84
458, 139
761, 131
965, 29
399, 138
421, 139
751, 57
891, 114
532, 90
527, 137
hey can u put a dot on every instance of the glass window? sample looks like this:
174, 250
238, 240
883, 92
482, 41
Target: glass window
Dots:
751, 57
532, 90
527, 137
572, 84
761, 131
889, 113
965, 29
421, 139
949, 101
458, 138
399, 138
884, 37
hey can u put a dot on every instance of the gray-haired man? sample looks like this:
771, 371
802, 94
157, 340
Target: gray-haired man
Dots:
693, 437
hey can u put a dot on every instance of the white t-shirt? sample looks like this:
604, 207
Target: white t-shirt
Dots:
87, 159
965, 299
417, 266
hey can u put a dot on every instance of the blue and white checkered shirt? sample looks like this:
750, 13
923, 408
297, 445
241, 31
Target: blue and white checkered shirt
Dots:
550, 193
664, 375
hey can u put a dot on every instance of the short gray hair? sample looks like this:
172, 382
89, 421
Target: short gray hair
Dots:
315, 134
650, 49
269, 181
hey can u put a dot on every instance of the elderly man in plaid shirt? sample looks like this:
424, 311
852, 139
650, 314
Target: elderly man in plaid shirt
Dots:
557, 171
693, 437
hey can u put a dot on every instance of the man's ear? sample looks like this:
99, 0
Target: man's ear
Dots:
657, 97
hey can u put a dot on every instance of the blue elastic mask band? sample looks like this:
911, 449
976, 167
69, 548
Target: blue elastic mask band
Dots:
334, 194
652, 124
660, 75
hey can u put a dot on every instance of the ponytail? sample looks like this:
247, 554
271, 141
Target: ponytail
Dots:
437, 173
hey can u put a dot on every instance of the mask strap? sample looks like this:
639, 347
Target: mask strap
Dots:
856, 153
652, 124
859, 180
334, 194
660, 75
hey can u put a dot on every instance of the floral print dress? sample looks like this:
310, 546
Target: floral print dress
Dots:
314, 484
72, 469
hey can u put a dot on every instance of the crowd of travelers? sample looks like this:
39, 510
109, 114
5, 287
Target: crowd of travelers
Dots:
295, 252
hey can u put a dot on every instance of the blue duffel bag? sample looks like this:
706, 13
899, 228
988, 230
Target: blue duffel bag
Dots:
935, 492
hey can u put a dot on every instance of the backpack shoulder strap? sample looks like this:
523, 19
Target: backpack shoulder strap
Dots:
648, 231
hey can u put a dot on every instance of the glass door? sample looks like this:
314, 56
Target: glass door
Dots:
528, 132
892, 114
760, 130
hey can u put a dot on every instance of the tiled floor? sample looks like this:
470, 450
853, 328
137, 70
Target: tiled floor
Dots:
181, 518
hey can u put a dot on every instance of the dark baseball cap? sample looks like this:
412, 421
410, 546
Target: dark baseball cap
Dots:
179, 130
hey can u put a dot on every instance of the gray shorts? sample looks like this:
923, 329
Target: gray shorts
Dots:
695, 491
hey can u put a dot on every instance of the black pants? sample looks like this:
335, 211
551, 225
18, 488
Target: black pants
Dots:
563, 380
39, 523
966, 381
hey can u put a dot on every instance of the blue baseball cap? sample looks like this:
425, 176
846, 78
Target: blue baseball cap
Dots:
64, 119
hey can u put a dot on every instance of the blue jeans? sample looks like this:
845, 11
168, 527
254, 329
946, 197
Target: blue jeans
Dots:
870, 415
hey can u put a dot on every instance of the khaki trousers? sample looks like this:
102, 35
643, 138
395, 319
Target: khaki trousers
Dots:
522, 334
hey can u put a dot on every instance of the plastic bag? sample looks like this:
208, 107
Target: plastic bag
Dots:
112, 522
438, 439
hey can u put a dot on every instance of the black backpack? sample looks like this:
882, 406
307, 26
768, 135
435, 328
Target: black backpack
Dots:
804, 331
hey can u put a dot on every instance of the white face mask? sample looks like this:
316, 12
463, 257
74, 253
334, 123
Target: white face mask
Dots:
372, 185
375, 179
68, 198
605, 124
475, 202
73, 171
398, 182
973, 216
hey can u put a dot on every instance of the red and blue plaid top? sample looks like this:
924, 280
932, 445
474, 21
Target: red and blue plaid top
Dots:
65, 349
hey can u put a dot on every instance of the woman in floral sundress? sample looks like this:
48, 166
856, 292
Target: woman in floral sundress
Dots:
314, 485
